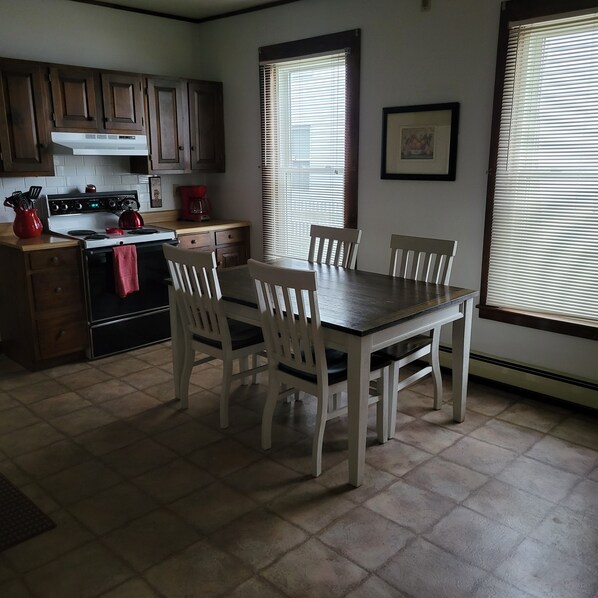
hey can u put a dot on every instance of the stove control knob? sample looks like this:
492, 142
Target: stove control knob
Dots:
64, 206
111, 204
54, 207
78, 206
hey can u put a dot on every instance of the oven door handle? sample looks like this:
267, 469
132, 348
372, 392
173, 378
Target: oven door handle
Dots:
140, 247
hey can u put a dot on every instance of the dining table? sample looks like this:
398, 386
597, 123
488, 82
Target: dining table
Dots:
361, 312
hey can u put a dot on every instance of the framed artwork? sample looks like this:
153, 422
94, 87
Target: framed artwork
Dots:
420, 142
155, 192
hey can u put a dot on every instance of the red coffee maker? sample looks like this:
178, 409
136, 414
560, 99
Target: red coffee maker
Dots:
195, 205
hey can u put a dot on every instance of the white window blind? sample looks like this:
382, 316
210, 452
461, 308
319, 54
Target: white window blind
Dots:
544, 243
303, 150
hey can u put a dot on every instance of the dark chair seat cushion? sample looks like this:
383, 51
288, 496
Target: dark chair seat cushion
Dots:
337, 367
242, 335
404, 348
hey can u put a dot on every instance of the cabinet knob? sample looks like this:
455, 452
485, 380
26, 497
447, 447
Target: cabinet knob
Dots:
193, 241
41, 146
181, 148
61, 333
91, 118
230, 236
58, 290
55, 260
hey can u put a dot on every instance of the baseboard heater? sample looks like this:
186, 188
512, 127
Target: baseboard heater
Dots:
534, 380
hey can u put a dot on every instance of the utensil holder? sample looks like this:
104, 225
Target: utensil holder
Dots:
27, 224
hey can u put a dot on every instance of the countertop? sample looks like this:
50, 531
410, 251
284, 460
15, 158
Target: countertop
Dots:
165, 219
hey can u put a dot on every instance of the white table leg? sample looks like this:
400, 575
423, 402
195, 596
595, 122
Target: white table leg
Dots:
461, 345
359, 350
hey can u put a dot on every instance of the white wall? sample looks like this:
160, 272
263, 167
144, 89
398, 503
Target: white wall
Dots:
408, 57
73, 33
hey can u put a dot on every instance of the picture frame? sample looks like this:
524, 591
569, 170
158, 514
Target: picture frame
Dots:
155, 185
420, 142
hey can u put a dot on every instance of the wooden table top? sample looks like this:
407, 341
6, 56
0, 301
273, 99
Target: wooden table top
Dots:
354, 301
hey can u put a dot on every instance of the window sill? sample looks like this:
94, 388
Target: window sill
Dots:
560, 325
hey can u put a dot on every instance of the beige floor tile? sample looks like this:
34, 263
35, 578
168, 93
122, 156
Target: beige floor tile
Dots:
133, 588
131, 404
148, 377
137, 458
446, 478
510, 506
395, 457
150, 539
492, 587
53, 458
59, 405
366, 538
311, 506
83, 420
422, 569
329, 573
14, 588
374, 587
547, 572
583, 499
255, 588
427, 437
173, 480
444, 417
7, 402
108, 438
578, 430
488, 401
411, 507
188, 437
212, 507
509, 436
17, 418
158, 419
539, 479
474, 538
112, 508
298, 456
80, 481
200, 571
532, 414
258, 538
29, 439
224, 457
106, 390
84, 378
564, 455
38, 391
480, 456
124, 366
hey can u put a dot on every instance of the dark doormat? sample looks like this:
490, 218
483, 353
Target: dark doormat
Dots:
20, 519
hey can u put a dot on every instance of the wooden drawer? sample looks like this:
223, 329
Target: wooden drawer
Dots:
196, 241
54, 258
61, 336
233, 235
231, 256
55, 290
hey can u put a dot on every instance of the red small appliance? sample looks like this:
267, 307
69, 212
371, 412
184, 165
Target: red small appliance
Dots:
195, 205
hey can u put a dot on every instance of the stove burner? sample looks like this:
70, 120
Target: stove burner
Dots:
81, 233
143, 231
96, 236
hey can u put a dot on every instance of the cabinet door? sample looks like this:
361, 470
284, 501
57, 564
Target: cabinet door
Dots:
168, 124
123, 102
206, 126
24, 120
74, 99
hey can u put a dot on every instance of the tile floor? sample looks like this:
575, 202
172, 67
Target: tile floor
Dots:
153, 501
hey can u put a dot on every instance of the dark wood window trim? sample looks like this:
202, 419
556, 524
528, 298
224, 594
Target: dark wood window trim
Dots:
350, 40
517, 10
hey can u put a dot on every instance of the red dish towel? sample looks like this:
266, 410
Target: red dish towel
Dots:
125, 269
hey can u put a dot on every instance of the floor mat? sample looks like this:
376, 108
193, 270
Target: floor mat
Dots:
20, 519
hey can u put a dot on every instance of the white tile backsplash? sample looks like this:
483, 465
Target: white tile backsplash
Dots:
107, 173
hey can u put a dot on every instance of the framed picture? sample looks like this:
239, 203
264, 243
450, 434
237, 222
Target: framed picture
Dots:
420, 142
155, 192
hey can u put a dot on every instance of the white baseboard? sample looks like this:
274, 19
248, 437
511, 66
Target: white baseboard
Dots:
551, 384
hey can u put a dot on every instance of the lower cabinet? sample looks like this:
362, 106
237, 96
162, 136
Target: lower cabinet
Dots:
230, 244
42, 313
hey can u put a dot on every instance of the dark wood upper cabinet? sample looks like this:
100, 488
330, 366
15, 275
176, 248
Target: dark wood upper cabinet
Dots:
167, 110
206, 126
123, 102
24, 122
91, 100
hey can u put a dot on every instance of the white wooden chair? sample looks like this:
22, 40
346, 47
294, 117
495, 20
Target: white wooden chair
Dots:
334, 246
207, 330
428, 260
297, 357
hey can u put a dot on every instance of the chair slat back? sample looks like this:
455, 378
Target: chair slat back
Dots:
288, 305
334, 246
418, 258
197, 291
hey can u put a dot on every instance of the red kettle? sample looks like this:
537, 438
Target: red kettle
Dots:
130, 219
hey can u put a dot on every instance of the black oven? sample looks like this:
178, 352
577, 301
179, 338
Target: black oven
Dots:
118, 324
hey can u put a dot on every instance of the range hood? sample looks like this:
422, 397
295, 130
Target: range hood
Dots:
99, 144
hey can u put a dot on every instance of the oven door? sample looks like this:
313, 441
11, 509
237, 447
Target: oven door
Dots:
103, 301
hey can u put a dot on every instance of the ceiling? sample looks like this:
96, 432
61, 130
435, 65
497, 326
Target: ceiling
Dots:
195, 11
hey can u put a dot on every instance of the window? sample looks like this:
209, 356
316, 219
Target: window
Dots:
309, 108
541, 239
